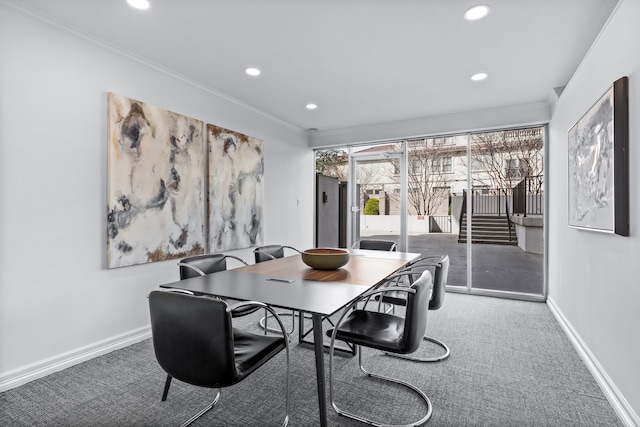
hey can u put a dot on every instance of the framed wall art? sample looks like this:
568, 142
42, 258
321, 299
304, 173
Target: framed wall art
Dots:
599, 164
236, 190
156, 183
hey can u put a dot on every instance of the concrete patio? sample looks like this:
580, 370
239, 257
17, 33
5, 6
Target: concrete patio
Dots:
495, 267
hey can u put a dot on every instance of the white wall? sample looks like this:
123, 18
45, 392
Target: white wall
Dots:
494, 118
593, 277
58, 302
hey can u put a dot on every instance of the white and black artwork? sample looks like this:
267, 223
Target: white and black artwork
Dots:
236, 190
598, 165
156, 186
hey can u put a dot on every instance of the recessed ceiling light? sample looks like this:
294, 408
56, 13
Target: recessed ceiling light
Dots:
311, 106
139, 4
476, 12
479, 76
252, 71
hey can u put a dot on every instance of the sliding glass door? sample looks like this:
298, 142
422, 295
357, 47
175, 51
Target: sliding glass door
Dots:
436, 180
506, 211
477, 197
376, 195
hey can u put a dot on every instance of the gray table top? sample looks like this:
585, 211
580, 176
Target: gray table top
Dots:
288, 283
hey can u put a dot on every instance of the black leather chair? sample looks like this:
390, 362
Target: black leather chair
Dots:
201, 265
440, 267
386, 332
195, 342
376, 245
267, 253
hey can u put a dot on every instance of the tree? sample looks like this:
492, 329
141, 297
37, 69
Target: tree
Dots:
427, 176
332, 162
372, 207
502, 159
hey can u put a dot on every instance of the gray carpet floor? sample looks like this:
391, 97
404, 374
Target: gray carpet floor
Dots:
510, 365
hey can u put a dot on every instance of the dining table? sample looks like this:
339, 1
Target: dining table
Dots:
290, 284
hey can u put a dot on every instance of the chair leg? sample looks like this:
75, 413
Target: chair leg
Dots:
425, 359
167, 383
285, 423
203, 411
362, 419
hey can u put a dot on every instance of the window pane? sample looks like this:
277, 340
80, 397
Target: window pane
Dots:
446, 164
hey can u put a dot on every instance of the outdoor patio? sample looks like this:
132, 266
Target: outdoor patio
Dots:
495, 267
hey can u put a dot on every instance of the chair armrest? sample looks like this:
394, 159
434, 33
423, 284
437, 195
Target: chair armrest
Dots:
417, 269
381, 291
236, 258
193, 267
395, 278
177, 291
267, 307
433, 260
292, 248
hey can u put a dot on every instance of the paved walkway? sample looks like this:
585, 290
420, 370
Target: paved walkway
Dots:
498, 267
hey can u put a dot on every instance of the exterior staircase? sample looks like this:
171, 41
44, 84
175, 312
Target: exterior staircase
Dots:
491, 229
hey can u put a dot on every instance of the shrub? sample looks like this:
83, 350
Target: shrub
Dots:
372, 206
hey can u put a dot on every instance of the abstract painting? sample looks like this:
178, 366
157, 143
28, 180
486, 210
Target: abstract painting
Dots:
236, 190
598, 165
156, 184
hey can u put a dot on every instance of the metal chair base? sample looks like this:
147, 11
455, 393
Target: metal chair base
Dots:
365, 420
425, 359
263, 323
210, 406
203, 411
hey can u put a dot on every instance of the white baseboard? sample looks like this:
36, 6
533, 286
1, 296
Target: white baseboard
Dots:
31, 372
620, 405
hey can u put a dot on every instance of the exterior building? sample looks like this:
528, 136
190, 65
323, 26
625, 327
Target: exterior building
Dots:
438, 168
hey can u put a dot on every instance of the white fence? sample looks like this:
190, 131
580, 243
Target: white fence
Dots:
390, 224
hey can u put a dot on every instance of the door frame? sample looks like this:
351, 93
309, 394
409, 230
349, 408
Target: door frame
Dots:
354, 209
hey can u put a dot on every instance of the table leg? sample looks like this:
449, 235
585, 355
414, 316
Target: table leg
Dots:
318, 346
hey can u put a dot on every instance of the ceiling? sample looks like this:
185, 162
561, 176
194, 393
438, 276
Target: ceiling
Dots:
362, 62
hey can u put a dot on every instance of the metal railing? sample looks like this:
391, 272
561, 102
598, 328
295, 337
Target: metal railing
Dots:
440, 224
511, 225
489, 202
528, 196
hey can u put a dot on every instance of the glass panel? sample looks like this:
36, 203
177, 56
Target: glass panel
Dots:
506, 214
491, 182
377, 192
435, 200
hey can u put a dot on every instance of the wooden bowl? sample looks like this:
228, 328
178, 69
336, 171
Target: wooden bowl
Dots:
325, 258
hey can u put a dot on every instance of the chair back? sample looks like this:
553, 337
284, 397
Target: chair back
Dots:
193, 338
441, 273
415, 321
267, 253
378, 245
210, 263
